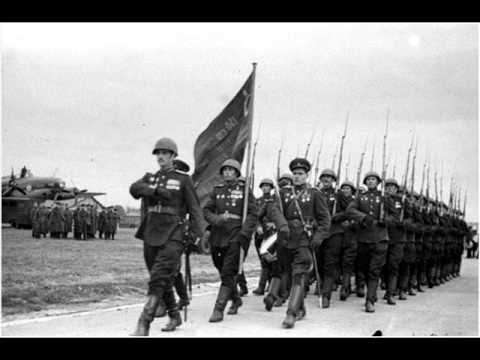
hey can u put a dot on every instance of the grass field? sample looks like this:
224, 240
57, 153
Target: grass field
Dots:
43, 273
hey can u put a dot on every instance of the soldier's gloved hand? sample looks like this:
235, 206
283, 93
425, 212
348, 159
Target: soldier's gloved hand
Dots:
368, 221
260, 230
317, 241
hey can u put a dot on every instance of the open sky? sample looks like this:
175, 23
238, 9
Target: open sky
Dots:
87, 102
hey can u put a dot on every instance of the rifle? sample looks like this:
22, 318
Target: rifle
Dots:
436, 188
427, 191
360, 165
317, 163
372, 161
347, 165
465, 204
404, 195
441, 190
334, 210
384, 169
310, 142
278, 158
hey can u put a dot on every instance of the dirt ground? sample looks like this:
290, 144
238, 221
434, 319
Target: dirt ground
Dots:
41, 275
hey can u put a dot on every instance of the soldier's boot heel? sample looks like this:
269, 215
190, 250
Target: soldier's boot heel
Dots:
325, 301
175, 320
289, 321
236, 303
369, 307
222, 298
262, 283
360, 291
302, 312
273, 293
147, 316
402, 295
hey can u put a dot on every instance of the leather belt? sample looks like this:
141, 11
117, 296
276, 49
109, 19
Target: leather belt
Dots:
231, 216
163, 209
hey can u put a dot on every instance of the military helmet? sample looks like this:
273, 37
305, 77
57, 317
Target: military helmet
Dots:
266, 181
348, 183
328, 172
392, 181
165, 144
242, 179
286, 176
300, 163
233, 164
371, 173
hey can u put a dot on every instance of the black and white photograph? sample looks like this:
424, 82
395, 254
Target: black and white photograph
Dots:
239, 179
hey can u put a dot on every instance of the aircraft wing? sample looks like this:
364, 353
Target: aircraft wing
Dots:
18, 198
90, 194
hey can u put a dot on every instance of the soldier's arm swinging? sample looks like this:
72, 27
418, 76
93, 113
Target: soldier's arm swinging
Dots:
193, 208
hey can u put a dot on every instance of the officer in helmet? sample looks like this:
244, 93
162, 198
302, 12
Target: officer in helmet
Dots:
372, 238
229, 233
167, 195
285, 180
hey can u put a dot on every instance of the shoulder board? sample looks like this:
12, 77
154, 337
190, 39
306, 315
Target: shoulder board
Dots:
180, 172
219, 185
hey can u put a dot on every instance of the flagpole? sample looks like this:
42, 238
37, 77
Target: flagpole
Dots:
247, 175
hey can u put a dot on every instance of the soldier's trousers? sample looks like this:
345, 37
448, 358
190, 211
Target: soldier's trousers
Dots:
371, 258
225, 260
406, 265
299, 260
417, 268
163, 264
427, 252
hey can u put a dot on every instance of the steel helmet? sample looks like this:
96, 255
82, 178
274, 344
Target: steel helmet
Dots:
165, 144
348, 183
328, 172
371, 173
286, 176
392, 181
266, 181
233, 164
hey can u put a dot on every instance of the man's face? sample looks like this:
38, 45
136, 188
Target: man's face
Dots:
299, 176
266, 189
229, 173
391, 189
327, 181
372, 183
347, 191
164, 157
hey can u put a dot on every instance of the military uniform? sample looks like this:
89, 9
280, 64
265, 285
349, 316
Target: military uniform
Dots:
416, 269
372, 238
224, 211
56, 222
397, 240
68, 221
43, 213
101, 223
35, 221
302, 202
408, 262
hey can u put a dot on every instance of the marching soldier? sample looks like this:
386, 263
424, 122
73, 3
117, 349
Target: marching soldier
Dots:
417, 265
285, 180
223, 212
167, 194
427, 250
372, 237
397, 236
308, 221
349, 242
271, 220
331, 248
266, 185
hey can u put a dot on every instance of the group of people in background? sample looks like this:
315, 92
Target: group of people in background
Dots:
85, 221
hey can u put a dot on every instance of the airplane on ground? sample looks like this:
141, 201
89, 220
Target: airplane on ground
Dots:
20, 192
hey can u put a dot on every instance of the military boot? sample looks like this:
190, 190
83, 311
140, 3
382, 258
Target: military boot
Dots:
360, 290
369, 306
222, 299
147, 316
327, 291
371, 295
302, 311
345, 290
391, 286
174, 320
161, 309
262, 282
242, 283
273, 293
296, 297
236, 302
